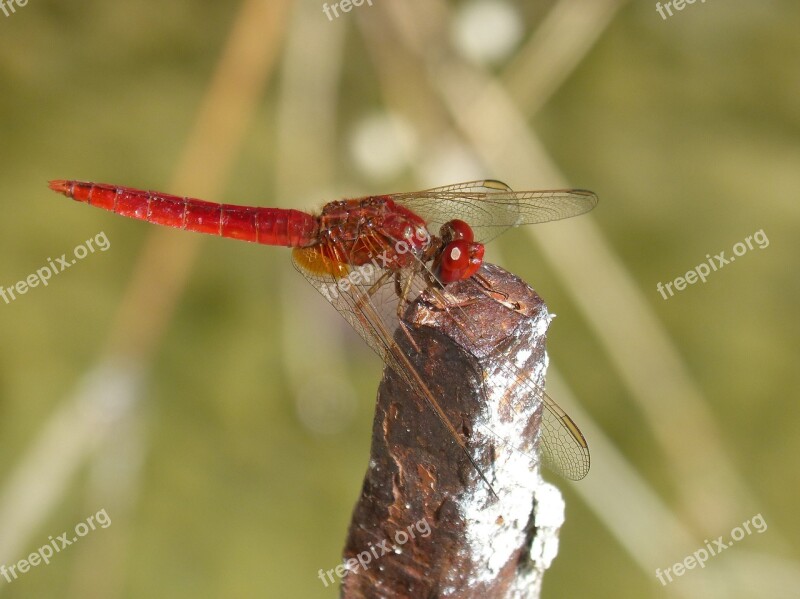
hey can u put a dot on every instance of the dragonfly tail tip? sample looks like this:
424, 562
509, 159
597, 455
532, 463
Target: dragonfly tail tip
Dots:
59, 185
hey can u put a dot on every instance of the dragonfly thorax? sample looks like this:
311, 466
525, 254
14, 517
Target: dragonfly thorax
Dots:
373, 229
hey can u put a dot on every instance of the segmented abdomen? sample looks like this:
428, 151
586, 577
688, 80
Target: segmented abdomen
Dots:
270, 226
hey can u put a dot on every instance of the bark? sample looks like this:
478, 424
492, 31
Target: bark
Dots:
427, 525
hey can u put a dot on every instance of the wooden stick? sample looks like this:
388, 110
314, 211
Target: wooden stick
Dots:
427, 524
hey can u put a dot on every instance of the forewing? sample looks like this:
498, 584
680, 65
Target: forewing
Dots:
481, 186
490, 207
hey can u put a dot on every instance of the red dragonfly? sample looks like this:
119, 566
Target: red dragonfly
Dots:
370, 257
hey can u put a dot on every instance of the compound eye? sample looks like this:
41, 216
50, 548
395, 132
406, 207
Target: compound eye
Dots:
457, 229
459, 260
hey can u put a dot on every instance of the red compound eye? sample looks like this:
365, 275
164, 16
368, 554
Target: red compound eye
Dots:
460, 259
457, 229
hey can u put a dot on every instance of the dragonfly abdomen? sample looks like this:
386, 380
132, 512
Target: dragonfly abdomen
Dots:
269, 226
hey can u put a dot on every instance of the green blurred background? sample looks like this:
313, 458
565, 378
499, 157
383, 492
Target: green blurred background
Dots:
231, 459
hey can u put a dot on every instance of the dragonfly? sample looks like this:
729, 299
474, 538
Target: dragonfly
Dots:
371, 257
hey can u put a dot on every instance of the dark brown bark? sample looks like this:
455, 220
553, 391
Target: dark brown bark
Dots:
427, 525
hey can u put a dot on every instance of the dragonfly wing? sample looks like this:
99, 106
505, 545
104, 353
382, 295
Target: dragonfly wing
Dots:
549, 205
490, 207
562, 445
483, 186
464, 201
369, 303
347, 288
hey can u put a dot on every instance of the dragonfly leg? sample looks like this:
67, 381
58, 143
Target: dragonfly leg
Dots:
363, 298
402, 294
486, 288
377, 285
456, 313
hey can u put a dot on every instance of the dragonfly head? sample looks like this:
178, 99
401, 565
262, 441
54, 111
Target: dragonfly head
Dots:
461, 257
456, 229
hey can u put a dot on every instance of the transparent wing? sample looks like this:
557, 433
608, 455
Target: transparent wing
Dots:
562, 446
351, 290
368, 301
490, 207
481, 186
564, 449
